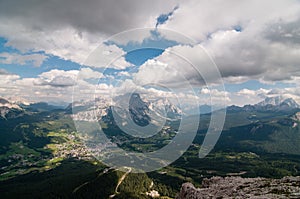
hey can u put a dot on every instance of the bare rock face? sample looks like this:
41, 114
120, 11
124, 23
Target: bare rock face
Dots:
237, 187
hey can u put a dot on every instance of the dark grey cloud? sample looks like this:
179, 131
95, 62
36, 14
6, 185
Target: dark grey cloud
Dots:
71, 29
105, 16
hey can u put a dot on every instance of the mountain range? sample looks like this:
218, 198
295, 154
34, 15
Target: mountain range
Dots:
16, 108
40, 151
139, 108
271, 104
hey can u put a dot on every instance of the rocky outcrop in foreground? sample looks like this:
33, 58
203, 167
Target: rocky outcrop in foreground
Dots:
237, 187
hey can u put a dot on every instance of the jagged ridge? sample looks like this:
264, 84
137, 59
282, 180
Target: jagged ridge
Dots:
237, 187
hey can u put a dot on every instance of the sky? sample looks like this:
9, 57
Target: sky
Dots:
233, 51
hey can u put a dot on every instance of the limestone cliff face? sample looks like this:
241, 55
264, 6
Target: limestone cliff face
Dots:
237, 187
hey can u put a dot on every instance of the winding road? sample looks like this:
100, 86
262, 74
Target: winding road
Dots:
120, 182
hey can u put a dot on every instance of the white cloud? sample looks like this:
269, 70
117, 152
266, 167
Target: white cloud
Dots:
154, 72
237, 53
62, 78
66, 42
179, 66
247, 96
124, 73
53, 85
14, 58
247, 39
7, 79
214, 96
57, 78
198, 19
88, 73
239, 56
107, 56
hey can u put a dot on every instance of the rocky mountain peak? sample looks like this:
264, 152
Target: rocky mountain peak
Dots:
7, 104
290, 103
139, 110
279, 101
238, 187
9, 109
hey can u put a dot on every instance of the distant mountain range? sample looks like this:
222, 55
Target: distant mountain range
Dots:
279, 101
140, 109
16, 108
270, 104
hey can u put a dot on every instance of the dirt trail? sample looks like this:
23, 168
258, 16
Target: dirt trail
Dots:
120, 182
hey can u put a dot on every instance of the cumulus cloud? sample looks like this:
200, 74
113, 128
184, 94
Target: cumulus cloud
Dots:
7, 79
53, 85
198, 19
214, 96
57, 78
237, 53
124, 74
66, 42
248, 92
247, 96
247, 39
62, 78
179, 66
239, 56
88, 73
